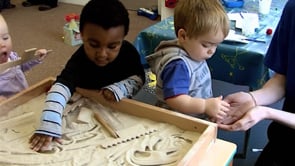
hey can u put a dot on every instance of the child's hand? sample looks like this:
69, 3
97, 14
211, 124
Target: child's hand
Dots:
41, 54
216, 108
97, 95
41, 141
108, 95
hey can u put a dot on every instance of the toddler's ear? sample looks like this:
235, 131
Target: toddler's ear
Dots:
181, 34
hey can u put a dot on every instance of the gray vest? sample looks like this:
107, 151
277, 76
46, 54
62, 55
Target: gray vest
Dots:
200, 77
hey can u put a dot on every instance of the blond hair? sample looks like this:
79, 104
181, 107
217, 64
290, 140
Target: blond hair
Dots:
198, 17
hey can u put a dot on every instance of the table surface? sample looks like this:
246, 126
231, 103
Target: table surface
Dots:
236, 63
223, 153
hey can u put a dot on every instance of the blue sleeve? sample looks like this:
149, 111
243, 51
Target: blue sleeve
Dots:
51, 120
175, 78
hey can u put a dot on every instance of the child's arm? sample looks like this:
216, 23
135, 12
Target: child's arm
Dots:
213, 107
125, 88
51, 120
41, 54
114, 92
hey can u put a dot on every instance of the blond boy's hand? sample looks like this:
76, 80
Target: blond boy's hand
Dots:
216, 108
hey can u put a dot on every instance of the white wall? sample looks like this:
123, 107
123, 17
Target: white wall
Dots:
77, 2
164, 11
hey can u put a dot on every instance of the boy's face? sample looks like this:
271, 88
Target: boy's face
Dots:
5, 41
202, 47
102, 46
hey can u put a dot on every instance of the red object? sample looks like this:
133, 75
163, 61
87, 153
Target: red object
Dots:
170, 3
71, 16
269, 31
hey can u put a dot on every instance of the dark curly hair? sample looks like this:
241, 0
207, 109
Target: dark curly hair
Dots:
105, 13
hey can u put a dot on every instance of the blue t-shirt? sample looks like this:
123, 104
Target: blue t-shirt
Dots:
176, 79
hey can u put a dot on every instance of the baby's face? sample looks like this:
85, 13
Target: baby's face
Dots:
5, 41
202, 47
102, 46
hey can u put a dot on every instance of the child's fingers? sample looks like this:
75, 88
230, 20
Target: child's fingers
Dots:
222, 113
42, 52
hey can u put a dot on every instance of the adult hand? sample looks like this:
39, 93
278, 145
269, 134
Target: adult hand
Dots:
252, 117
240, 103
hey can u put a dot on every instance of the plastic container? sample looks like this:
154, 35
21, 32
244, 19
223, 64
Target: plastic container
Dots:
233, 3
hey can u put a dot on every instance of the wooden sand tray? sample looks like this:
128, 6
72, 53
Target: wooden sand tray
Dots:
197, 154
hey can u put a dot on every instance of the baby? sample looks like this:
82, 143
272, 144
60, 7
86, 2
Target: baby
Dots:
13, 80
